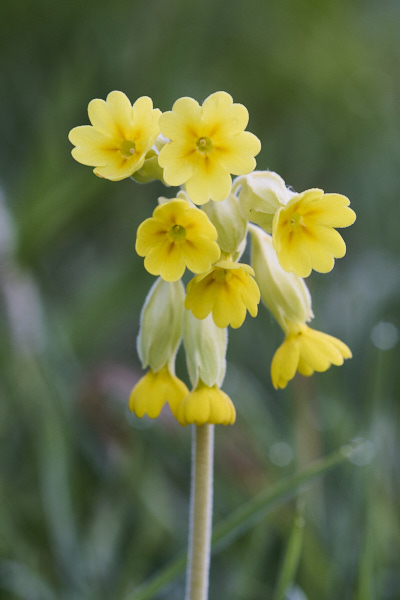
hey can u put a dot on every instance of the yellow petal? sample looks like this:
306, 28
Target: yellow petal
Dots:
222, 116
207, 405
155, 389
119, 167
200, 255
167, 260
208, 181
92, 147
102, 118
284, 363
333, 210
237, 154
120, 109
184, 117
177, 169
200, 296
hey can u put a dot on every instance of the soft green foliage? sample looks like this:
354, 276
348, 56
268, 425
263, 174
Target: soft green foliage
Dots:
92, 500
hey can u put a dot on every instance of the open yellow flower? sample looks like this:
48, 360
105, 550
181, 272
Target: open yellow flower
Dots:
303, 231
175, 237
120, 135
208, 144
154, 390
206, 404
306, 350
227, 290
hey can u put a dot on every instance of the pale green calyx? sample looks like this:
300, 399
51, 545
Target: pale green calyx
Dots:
205, 348
161, 324
229, 222
284, 294
151, 170
262, 194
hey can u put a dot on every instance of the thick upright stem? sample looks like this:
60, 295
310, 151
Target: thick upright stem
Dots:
200, 525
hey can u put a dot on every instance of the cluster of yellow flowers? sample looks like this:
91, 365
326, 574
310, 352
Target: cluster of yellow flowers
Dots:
204, 229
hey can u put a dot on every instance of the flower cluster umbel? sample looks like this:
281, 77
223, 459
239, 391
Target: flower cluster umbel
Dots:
203, 229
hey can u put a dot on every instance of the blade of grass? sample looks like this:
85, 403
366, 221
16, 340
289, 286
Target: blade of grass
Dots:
291, 558
245, 516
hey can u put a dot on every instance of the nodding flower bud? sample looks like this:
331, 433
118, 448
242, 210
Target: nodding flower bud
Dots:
205, 348
262, 194
229, 222
284, 294
161, 324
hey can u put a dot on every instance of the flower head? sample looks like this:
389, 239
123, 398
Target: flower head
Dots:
175, 237
154, 390
206, 404
208, 144
120, 135
306, 350
227, 290
303, 231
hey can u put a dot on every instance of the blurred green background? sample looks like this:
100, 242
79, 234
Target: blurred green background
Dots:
92, 500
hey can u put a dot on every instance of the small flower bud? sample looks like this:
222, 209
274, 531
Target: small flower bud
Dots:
261, 195
205, 347
151, 170
161, 324
229, 222
284, 294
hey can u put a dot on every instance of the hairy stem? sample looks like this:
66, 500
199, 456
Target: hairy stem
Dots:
200, 524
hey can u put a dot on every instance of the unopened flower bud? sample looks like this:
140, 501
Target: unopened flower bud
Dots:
229, 222
151, 169
261, 195
205, 347
161, 324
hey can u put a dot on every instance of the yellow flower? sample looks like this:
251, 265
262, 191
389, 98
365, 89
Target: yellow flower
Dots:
227, 290
208, 143
303, 231
206, 405
154, 390
119, 138
175, 237
306, 350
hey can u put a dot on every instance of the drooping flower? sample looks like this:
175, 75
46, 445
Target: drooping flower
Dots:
208, 144
206, 404
175, 237
284, 294
306, 350
154, 390
160, 331
303, 231
227, 290
120, 135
